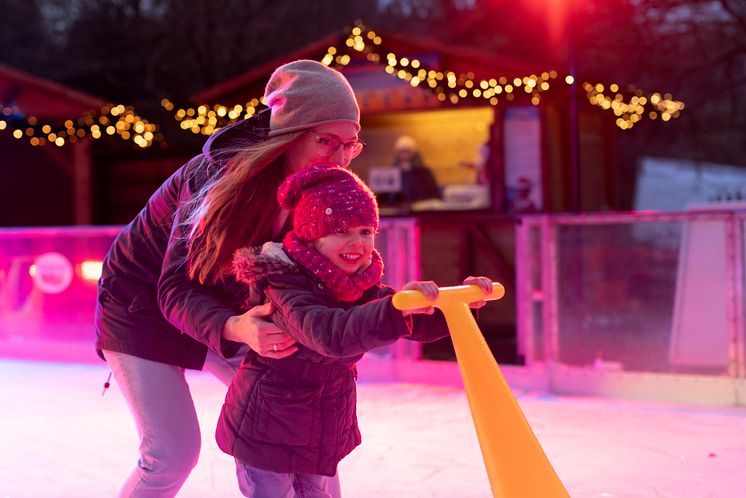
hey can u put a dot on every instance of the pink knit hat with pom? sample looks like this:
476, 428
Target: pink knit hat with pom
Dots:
327, 200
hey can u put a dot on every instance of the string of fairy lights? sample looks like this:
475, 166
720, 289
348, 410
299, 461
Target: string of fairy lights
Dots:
448, 86
114, 120
629, 112
207, 120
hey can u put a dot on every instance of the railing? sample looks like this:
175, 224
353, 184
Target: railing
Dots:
633, 292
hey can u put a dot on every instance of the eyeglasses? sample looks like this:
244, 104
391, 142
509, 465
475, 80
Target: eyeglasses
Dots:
328, 146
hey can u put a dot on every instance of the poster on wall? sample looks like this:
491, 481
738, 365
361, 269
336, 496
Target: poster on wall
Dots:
384, 179
522, 127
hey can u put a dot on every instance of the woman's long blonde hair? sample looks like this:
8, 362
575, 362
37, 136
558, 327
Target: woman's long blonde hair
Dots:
237, 207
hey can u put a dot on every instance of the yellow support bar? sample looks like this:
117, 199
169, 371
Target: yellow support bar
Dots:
516, 464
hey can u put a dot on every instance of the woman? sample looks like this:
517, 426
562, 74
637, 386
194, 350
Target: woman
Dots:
167, 299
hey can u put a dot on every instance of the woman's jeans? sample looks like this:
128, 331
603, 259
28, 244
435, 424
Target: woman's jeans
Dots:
160, 402
258, 483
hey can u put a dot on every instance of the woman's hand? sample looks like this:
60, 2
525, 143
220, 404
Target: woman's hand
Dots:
261, 336
429, 289
483, 283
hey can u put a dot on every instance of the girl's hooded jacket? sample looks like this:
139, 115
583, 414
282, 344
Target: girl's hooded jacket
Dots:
298, 414
147, 305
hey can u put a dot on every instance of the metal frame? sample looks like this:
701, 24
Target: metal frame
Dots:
402, 262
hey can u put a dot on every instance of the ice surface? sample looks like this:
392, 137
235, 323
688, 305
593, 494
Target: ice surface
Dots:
61, 438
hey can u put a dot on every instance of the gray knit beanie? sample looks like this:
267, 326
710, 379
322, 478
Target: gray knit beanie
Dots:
305, 93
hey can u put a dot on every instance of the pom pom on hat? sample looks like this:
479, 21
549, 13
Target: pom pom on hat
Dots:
327, 200
305, 93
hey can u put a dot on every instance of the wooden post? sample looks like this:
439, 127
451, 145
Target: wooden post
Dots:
81, 181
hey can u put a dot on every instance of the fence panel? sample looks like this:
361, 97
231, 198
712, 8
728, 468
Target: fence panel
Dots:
641, 292
48, 280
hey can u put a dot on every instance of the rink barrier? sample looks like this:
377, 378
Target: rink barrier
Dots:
48, 287
645, 305
57, 327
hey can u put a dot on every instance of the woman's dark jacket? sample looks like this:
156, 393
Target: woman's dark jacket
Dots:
147, 306
298, 414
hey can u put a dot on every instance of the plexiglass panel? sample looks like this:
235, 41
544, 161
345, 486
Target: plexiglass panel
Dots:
48, 282
615, 294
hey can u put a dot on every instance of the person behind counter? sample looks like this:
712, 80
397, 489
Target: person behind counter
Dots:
417, 181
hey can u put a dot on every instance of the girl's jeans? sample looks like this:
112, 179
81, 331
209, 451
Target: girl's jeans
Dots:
258, 483
160, 402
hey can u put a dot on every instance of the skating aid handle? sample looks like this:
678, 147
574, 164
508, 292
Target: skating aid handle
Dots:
515, 461
405, 300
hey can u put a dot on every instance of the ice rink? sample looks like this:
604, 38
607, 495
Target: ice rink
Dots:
61, 438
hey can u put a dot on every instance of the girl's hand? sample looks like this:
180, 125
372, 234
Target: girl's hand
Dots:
262, 336
483, 283
429, 289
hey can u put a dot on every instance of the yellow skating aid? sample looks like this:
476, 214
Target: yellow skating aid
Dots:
516, 464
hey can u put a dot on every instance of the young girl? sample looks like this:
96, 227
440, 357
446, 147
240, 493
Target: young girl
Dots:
289, 422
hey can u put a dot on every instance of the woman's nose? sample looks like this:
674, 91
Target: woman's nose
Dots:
339, 158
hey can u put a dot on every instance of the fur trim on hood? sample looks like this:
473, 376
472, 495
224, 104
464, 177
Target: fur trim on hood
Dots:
252, 264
